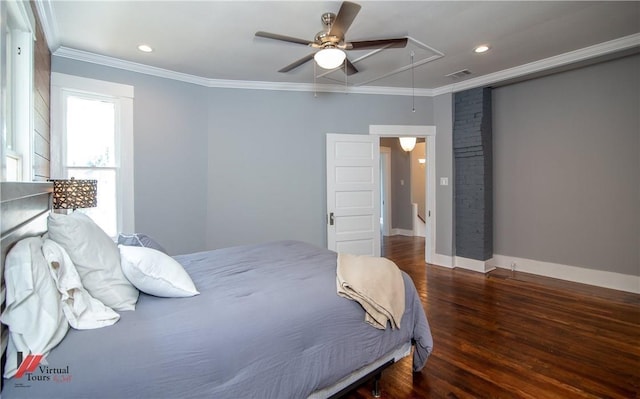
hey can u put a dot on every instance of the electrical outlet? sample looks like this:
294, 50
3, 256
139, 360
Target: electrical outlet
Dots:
513, 266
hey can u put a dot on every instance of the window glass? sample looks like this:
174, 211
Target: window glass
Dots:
91, 138
90, 144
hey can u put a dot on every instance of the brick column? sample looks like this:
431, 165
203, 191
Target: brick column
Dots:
472, 149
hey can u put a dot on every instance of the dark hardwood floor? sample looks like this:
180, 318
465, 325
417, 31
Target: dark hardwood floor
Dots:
515, 335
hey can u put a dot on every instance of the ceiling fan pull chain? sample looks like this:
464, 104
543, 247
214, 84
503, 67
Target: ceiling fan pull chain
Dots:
413, 86
315, 87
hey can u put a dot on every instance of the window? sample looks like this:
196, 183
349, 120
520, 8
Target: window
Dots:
91, 152
92, 139
16, 66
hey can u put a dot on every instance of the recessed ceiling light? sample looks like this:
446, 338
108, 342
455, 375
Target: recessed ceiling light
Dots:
145, 48
481, 49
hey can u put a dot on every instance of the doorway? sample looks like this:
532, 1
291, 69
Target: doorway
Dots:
428, 133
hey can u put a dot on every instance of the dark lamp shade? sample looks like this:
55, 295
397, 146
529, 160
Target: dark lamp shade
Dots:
72, 193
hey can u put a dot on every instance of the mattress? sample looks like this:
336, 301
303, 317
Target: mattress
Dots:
267, 323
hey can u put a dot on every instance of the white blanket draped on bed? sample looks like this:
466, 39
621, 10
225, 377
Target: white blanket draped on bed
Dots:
376, 284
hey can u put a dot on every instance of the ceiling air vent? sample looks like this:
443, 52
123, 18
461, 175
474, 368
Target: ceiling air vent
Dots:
459, 74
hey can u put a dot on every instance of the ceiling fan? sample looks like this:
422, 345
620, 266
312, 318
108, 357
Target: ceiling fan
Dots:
331, 43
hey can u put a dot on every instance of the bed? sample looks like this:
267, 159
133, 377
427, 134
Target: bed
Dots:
267, 323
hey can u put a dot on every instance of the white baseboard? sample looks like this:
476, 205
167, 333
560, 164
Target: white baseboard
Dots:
481, 266
464, 263
600, 278
442, 260
402, 232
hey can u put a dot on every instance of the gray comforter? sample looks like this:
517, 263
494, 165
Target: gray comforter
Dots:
267, 324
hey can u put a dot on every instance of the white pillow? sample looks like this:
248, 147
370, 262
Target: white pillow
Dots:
155, 272
96, 258
33, 312
81, 309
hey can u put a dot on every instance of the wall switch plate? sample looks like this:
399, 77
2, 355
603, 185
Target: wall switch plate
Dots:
444, 181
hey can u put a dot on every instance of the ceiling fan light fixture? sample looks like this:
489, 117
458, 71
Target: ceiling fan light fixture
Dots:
330, 58
407, 143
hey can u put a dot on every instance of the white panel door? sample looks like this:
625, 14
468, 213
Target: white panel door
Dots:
353, 194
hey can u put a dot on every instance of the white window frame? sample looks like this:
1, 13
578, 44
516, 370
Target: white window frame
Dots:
17, 75
63, 85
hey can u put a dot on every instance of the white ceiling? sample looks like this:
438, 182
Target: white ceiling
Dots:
213, 41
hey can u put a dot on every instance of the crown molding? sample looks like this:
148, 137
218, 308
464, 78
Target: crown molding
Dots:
623, 43
597, 50
85, 56
48, 22
93, 58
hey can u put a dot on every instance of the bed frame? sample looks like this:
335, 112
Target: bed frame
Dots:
25, 207
24, 210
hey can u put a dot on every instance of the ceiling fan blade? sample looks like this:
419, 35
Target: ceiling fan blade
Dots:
351, 69
345, 17
297, 63
282, 38
373, 44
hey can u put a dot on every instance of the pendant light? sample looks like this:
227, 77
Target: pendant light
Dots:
407, 143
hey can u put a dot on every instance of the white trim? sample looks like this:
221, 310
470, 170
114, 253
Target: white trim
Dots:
442, 260
430, 187
49, 23
402, 232
87, 85
406, 130
126, 212
385, 153
17, 76
86, 56
481, 266
600, 278
622, 43
23, 102
429, 133
596, 50
23, 16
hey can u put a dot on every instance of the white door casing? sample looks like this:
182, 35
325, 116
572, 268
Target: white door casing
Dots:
353, 194
429, 133
385, 187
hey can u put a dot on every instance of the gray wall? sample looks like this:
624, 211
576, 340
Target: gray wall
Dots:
267, 166
217, 167
170, 154
220, 167
567, 168
443, 116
